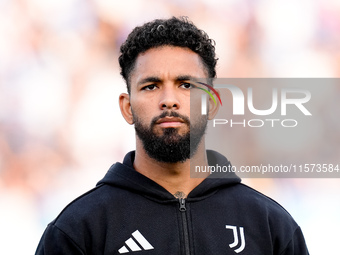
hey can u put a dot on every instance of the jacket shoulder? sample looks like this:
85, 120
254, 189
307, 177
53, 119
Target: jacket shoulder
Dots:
90, 203
257, 198
248, 204
79, 224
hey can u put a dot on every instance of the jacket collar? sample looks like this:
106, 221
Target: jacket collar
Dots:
124, 176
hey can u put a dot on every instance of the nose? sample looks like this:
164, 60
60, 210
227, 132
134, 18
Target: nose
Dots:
169, 99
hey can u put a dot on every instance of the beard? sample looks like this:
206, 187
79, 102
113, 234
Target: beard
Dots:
170, 146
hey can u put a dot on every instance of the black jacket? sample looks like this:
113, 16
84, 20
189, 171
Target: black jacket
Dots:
127, 213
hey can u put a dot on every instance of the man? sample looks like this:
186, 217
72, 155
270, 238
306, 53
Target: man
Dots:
149, 204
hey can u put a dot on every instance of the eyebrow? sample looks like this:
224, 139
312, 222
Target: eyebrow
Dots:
157, 79
185, 78
149, 79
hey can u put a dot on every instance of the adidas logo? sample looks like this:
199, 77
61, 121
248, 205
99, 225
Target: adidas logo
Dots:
131, 243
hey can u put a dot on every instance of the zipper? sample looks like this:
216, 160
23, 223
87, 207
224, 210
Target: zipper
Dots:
183, 209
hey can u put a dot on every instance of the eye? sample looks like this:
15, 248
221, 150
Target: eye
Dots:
187, 85
150, 87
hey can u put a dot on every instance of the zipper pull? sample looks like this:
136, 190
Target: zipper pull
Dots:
182, 207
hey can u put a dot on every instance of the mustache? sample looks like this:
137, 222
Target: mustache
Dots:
170, 114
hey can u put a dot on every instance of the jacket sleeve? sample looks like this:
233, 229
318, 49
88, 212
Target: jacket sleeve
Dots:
54, 241
297, 246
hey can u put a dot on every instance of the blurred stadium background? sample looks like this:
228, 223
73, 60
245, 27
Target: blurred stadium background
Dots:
60, 125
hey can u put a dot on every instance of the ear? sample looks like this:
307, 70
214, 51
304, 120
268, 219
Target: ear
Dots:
213, 108
125, 107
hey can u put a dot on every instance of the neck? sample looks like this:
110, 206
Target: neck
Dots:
174, 177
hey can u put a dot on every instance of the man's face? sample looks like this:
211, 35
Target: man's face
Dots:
160, 102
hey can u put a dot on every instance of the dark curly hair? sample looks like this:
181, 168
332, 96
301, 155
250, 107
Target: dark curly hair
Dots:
174, 32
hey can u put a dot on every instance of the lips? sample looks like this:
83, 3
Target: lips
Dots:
168, 122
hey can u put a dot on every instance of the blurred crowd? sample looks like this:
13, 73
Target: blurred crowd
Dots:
60, 124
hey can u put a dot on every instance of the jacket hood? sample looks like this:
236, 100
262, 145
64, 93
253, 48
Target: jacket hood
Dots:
124, 176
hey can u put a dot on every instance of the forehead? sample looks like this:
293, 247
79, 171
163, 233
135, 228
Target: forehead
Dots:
167, 62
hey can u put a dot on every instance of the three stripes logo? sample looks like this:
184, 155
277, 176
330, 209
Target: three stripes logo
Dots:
135, 243
236, 240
